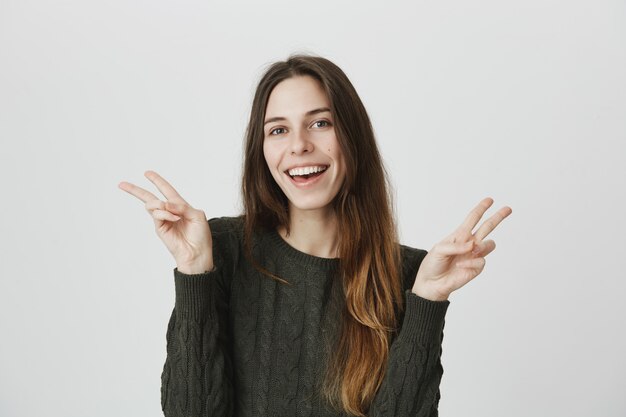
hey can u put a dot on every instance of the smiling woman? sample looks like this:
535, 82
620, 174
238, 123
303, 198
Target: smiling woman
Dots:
301, 147
306, 304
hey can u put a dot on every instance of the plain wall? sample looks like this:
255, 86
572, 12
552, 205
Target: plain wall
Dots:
524, 102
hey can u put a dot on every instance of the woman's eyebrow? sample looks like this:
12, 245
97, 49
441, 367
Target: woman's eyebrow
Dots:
309, 113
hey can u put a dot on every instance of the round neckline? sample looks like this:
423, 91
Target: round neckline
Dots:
302, 258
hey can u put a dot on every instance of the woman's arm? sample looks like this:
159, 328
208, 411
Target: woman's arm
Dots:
411, 384
410, 387
197, 375
197, 378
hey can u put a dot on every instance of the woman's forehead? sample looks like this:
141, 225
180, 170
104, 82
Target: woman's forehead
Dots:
295, 97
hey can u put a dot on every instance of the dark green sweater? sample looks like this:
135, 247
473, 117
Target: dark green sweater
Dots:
242, 344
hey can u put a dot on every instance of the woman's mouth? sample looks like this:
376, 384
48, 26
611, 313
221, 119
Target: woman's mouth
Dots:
301, 180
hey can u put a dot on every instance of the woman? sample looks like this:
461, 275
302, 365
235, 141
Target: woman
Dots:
306, 304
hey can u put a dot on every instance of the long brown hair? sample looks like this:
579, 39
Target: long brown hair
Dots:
369, 254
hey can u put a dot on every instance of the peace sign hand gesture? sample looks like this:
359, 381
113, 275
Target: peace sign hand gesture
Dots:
460, 257
183, 229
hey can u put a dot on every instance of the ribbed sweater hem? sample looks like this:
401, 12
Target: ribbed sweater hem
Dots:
194, 293
423, 319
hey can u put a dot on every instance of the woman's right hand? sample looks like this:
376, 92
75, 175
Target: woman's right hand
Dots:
184, 229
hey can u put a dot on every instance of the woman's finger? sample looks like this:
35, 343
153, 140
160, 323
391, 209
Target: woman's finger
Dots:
164, 187
176, 208
161, 210
448, 248
484, 248
164, 215
474, 216
140, 193
491, 223
155, 205
477, 263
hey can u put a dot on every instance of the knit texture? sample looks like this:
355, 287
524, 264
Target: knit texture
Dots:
242, 344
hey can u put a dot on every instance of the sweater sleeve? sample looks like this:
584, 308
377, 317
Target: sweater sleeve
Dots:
411, 384
197, 375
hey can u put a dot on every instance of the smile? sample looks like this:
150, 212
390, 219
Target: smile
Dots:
306, 177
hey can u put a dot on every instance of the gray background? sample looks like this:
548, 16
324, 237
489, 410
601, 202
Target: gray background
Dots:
522, 101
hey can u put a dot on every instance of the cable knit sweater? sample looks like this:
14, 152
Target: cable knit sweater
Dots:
242, 344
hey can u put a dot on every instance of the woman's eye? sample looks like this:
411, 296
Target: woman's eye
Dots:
274, 130
322, 121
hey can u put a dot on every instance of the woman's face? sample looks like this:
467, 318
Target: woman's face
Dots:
300, 146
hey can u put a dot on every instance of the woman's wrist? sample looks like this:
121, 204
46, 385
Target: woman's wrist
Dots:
429, 294
196, 268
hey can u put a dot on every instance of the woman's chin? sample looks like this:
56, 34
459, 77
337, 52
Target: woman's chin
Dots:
309, 206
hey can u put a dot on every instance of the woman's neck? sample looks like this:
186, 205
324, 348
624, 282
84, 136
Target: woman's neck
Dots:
313, 232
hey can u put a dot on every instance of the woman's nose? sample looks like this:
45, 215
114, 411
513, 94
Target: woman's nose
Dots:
300, 142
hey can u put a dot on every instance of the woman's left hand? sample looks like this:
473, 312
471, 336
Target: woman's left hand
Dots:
460, 257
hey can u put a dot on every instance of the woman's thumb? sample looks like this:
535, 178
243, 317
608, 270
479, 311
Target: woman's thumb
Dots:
181, 209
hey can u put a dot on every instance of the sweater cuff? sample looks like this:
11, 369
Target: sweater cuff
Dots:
194, 293
423, 319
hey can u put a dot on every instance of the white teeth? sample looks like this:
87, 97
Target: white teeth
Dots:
306, 170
